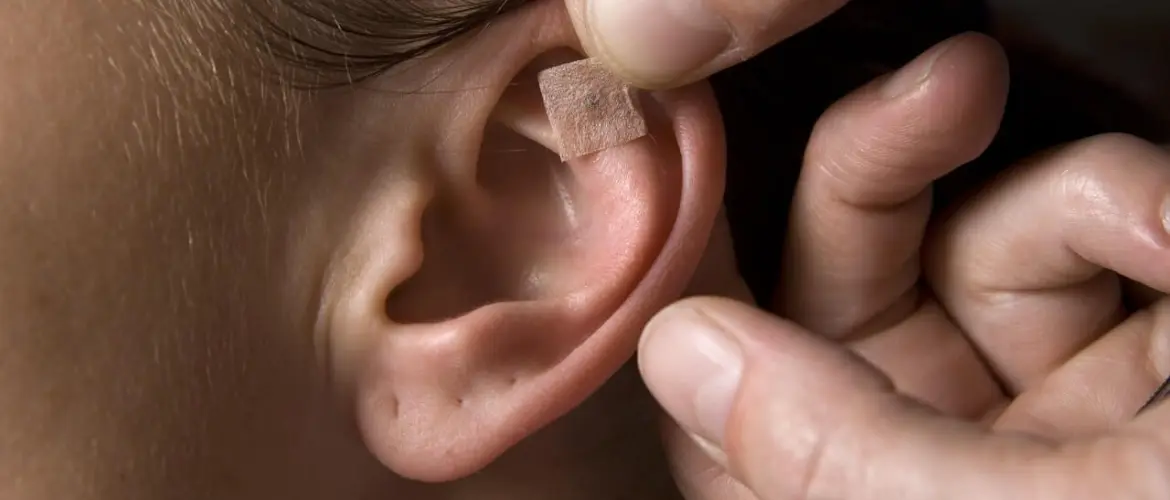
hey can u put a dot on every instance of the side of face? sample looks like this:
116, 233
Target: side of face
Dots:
211, 279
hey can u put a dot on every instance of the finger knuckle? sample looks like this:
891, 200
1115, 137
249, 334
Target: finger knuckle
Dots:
1114, 142
817, 482
1106, 150
879, 166
869, 173
1084, 168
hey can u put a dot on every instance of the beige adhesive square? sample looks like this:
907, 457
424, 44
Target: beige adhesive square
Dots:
589, 109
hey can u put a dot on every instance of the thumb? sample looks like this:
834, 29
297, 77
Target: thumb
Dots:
794, 416
668, 43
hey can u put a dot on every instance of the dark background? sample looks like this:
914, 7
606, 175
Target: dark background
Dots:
1127, 41
1078, 68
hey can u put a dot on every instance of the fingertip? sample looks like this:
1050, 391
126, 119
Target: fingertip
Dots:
692, 365
938, 112
966, 96
653, 44
807, 415
977, 59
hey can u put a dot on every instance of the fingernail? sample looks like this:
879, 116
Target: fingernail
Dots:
912, 76
693, 367
658, 41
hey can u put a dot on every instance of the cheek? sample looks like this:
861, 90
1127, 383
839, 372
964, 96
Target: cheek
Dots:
143, 218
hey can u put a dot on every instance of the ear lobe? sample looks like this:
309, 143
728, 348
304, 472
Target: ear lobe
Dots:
535, 281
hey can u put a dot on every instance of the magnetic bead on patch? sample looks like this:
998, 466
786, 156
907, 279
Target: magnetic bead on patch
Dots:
589, 109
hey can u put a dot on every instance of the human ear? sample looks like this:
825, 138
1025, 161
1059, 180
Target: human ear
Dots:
489, 288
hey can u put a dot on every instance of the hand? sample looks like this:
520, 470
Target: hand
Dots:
667, 43
1015, 375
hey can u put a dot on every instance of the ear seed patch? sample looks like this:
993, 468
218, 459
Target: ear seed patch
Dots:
589, 109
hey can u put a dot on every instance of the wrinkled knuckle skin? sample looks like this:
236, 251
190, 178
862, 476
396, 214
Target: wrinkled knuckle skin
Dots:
1095, 154
1086, 170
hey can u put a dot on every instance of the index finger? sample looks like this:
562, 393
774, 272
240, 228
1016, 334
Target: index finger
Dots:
862, 202
657, 44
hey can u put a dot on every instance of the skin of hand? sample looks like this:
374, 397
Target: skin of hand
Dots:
986, 353
667, 43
